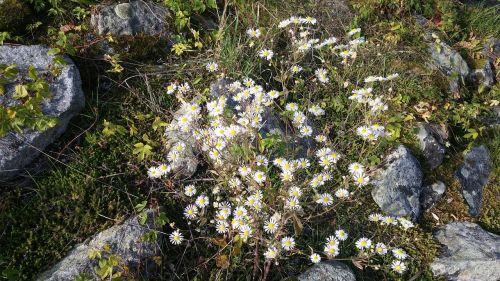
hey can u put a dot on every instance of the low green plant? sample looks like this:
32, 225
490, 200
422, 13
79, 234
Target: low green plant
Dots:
109, 265
26, 109
187, 36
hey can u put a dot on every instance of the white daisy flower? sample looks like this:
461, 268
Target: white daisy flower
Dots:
271, 226
363, 243
164, 169
375, 217
245, 232
244, 171
266, 54
320, 138
240, 212
381, 249
271, 253
295, 191
261, 160
259, 177
171, 88
354, 31
316, 110
399, 253
190, 190
388, 220
361, 180
291, 106
176, 237
331, 251
406, 224
322, 75
191, 211
202, 201
184, 88
288, 243
154, 172
212, 66
286, 176
306, 131
222, 227
293, 203
356, 169
342, 193
303, 163
325, 199
398, 267
253, 33
341, 235
284, 23
315, 258
296, 69
332, 241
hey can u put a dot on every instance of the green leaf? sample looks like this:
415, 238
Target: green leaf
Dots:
198, 6
472, 134
10, 72
162, 219
54, 51
21, 91
4, 36
94, 253
142, 218
142, 150
212, 4
157, 124
139, 207
32, 72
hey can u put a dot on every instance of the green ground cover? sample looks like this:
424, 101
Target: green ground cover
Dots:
95, 179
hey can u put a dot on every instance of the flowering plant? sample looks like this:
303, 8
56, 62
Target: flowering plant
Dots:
272, 169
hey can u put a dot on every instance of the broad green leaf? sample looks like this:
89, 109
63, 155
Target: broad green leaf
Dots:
157, 124
142, 150
139, 207
21, 91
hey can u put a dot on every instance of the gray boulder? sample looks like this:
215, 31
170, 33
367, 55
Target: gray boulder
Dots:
492, 48
431, 194
469, 253
485, 75
431, 140
328, 271
188, 159
444, 58
473, 176
17, 150
494, 119
131, 18
398, 185
124, 241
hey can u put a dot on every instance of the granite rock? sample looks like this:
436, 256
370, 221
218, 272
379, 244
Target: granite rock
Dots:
473, 176
469, 253
397, 185
17, 150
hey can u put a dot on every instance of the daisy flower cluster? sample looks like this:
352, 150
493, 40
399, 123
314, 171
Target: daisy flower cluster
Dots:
389, 220
260, 194
301, 30
398, 255
376, 104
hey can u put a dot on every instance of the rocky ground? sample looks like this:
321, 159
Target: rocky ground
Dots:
75, 200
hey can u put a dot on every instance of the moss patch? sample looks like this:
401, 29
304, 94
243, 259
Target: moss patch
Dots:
14, 14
